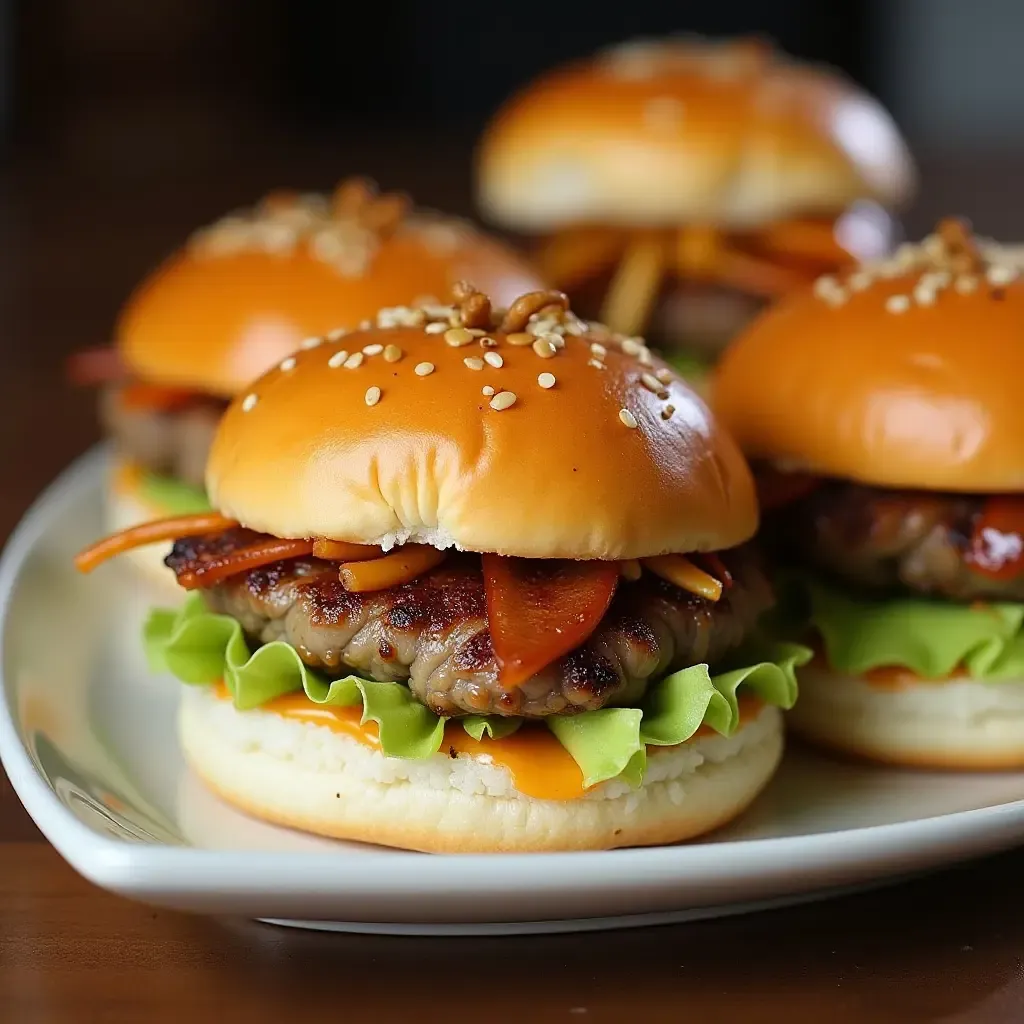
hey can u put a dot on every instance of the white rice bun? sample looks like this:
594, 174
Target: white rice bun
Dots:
124, 508
309, 777
959, 723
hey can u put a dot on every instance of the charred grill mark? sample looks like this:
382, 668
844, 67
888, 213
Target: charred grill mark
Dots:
475, 654
191, 553
588, 675
327, 601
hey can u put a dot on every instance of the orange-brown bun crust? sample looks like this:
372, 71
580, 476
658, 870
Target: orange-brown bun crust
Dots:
569, 443
898, 374
247, 291
681, 130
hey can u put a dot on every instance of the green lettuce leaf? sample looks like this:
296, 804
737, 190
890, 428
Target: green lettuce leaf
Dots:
612, 742
200, 648
930, 637
174, 496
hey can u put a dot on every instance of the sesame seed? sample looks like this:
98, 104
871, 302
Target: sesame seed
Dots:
503, 400
666, 413
859, 281
597, 349
544, 348
338, 359
473, 363
287, 364
651, 382
1000, 274
546, 380
458, 336
392, 353
373, 350
423, 369
965, 284
519, 338
438, 327
557, 340
494, 359
310, 343
249, 402
365, 325
372, 396
596, 364
337, 334
477, 332
354, 361
924, 295
488, 343
645, 358
632, 346
487, 390
628, 419
897, 303
664, 375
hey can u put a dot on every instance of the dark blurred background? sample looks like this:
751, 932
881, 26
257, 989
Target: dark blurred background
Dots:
122, 90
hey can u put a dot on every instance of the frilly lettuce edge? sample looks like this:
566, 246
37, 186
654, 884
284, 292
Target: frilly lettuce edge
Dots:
932, 637
173, 496
202, 648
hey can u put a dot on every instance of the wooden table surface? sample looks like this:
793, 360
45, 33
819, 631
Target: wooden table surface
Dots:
946, 948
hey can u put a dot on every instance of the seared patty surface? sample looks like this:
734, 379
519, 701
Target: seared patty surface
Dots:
432, 632
172, 442
891, 540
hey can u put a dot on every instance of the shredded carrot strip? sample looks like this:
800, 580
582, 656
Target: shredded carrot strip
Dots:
392, 570
151, 533
803, 239
681, 572
243, 560
341, 551
718, 569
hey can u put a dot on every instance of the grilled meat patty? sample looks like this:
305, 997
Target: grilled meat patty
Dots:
432, 632
172, 442
890, 540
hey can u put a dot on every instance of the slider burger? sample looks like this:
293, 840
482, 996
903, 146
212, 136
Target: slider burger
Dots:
476, 582
883, 412
679, 185
241, 296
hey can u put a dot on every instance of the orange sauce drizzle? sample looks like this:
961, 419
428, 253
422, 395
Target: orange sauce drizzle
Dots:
539, 765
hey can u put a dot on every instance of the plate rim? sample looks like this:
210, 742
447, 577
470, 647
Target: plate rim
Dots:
118, 864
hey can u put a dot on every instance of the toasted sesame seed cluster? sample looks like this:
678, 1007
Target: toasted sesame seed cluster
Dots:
537, 323
343, 231
951, 259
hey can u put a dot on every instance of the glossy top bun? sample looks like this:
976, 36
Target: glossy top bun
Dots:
653, 133
903, 373
248, 290
566, 442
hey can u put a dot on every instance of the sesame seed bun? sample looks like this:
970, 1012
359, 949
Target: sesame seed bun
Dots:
958, 723
897, 374
616, 458
245, 292
656, 133
307, 777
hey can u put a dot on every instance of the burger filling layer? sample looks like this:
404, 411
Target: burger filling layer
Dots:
927, 582
433, 632
602, 659
166, 433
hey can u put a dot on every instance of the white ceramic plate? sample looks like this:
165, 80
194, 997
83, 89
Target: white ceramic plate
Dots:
88, 740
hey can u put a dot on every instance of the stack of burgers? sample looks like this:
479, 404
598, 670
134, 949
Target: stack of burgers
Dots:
464, 571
